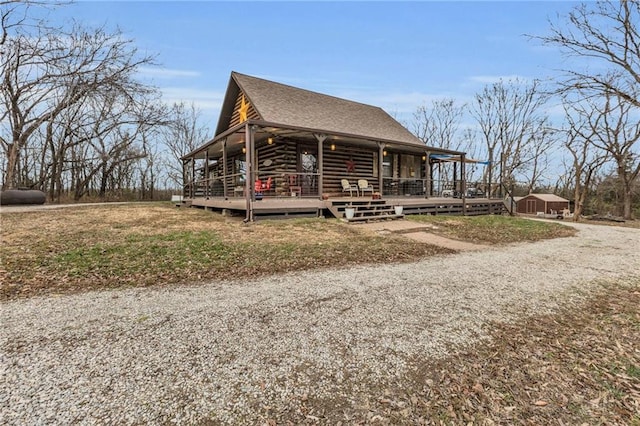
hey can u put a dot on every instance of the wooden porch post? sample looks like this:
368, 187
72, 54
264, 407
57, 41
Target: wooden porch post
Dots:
184, 178
248, 173
224, 168
427, 175
463, 184
430, 175
206, 173
490, 173
320, 137
455, 177
193, 177
380, 167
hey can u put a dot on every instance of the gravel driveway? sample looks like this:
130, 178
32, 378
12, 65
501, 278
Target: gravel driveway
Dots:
239, 352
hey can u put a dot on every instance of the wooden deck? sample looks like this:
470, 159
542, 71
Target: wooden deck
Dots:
265, 208
285, 207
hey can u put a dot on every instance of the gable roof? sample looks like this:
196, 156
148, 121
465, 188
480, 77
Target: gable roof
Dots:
548, 197
291, 106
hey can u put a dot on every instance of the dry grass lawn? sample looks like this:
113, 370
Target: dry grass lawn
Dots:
88, 248
109, 246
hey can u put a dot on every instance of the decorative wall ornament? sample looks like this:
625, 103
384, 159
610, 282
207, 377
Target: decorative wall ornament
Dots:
351, 165
244, 109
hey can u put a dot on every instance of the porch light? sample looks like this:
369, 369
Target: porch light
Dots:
384, 153
333, 147
270, 141
424, 158
244, 150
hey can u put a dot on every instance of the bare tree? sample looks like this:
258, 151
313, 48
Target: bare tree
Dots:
62, 134
439, 124
182, 134
474, 171
618, 134
515, 129
607, 31
51, 72
115, 139
149, 169
543, 144
15, 15
584, 122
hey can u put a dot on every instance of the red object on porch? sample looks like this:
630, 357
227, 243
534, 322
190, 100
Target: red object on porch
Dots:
263, 186
294, 188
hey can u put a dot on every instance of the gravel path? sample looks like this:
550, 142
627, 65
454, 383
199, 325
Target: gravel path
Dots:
237, 352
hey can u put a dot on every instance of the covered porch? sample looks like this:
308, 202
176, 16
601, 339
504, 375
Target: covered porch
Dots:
257, 164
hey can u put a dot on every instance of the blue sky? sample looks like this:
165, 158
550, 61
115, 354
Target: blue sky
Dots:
396, 55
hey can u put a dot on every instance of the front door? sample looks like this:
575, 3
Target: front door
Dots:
308, 169
531, 206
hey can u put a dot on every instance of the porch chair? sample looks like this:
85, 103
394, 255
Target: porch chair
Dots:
364, 186
346, 186
258, 186
261, 187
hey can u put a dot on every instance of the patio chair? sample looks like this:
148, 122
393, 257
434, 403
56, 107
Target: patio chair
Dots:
346, 186
258, 186
364, 186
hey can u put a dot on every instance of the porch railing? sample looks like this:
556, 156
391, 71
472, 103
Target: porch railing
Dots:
266, 185
404, 187
448, 188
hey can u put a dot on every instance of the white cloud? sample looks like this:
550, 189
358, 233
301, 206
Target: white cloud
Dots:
166, 73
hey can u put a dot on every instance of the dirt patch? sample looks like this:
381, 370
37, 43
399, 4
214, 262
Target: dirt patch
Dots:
440, 241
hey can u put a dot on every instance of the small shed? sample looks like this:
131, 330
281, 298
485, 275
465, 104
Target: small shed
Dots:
535, 203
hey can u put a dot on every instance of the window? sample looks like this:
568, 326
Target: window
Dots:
239, 169
410, 166
308, 162
387, 165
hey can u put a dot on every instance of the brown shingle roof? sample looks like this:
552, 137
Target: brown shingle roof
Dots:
287, 105
548, 197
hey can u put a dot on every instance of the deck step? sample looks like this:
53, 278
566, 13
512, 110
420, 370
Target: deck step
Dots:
365, 210
375, 217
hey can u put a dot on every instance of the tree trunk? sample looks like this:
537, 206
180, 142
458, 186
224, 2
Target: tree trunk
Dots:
579, 197
627, 214
13, 157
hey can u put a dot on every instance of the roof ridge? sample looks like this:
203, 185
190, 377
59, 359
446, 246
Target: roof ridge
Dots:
309, 91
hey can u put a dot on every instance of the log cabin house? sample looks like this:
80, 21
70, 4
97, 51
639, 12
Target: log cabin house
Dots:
283, 151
